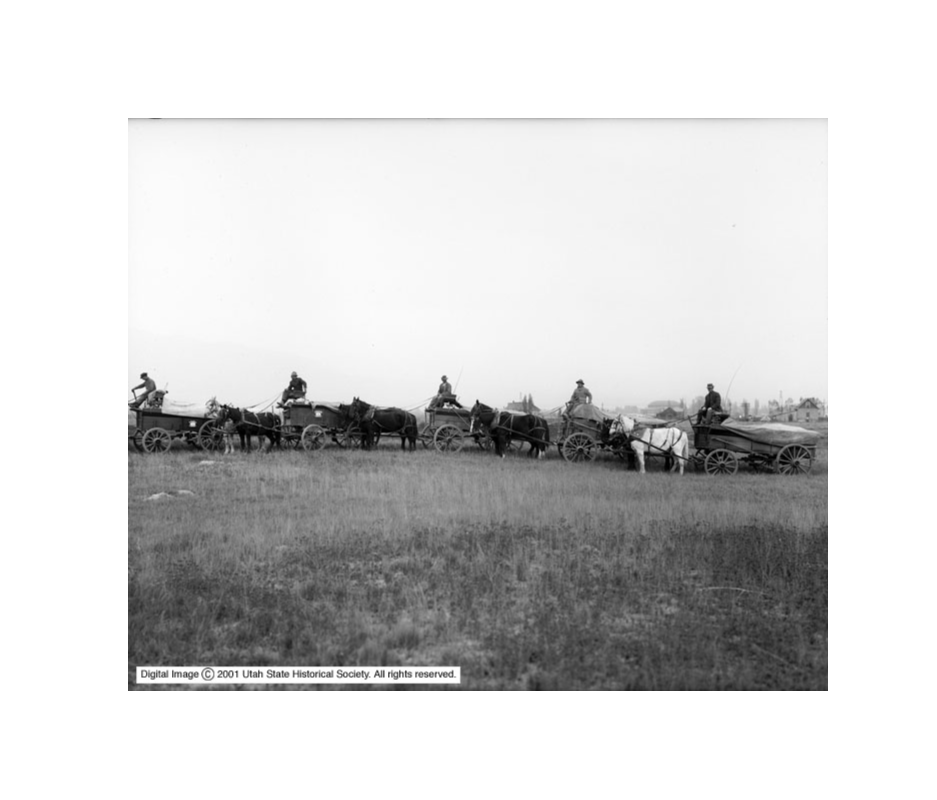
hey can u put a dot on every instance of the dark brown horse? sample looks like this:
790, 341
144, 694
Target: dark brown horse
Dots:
375, 421
247, 424
503, 427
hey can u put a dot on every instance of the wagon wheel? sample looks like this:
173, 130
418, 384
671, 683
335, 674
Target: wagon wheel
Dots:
137, 439
289, 437
312, 437
578, 447
448, 439
210, 436
426, 435
156, 440
795, 459
721, 462
351, 437
512, 445
483, 440
620, 447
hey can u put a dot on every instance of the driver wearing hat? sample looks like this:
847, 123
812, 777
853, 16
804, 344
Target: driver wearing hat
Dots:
444, 395
149, 388
712, 404
295, 391
579, 396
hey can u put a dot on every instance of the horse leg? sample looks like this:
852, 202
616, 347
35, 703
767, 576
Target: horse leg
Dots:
639, 452
684, 448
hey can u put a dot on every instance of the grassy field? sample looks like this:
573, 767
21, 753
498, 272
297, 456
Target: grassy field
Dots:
527, 575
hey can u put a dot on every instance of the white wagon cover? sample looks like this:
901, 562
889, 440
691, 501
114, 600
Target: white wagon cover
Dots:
773, 432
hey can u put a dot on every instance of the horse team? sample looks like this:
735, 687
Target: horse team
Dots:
503, 427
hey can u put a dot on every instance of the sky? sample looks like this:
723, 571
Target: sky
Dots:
646, 257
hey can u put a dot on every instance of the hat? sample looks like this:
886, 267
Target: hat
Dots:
443, 378
293, 375
709, 386
143, 375
581, 381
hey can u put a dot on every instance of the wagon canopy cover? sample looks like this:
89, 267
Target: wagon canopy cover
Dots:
589, 411
773, 432
184, 409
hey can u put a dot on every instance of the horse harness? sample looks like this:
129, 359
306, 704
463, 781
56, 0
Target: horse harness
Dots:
497, 421
667, 450
369, 417
244, 421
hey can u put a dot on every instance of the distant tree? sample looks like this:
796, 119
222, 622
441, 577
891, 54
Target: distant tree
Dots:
757, 407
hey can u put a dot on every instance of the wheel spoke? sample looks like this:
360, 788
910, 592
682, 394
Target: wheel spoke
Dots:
721, 462
157, 440
794, 459
312, 437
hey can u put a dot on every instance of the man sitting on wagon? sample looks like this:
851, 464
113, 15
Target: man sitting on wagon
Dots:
444, 395
295, 391
712, 406
149, 394
580, 395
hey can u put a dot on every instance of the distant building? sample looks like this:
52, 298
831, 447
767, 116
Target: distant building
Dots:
668, 413
809, 410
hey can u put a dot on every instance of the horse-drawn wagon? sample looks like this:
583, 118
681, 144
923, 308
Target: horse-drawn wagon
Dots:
154, 430
586, 430
767, 447
446, 428
309, 425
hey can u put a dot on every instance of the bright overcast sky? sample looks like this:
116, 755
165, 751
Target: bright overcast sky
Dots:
646, 257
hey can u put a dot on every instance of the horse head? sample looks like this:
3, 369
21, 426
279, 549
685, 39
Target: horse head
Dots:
226, 412
358, 408
627, 424
478, 410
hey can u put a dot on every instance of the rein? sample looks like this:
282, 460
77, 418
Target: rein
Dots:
497, 421
244, 421
668, 449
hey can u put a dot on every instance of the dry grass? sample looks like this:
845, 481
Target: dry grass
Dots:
525, 574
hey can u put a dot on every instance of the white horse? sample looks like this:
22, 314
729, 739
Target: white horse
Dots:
662, 441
